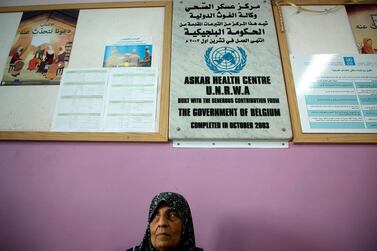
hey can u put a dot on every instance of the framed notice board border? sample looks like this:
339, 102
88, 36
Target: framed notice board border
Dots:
161, 133
298, 135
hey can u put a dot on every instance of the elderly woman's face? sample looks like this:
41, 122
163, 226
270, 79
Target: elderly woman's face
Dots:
165, 228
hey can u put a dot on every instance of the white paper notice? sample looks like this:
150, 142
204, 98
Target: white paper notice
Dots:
80, 102
131, 100
107, 100
336, 93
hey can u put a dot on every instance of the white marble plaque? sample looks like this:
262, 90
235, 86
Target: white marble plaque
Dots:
227, 80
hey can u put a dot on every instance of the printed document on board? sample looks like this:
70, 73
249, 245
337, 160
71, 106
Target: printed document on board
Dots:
336, 93
107, 100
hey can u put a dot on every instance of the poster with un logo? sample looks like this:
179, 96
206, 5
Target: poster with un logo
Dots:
226, 76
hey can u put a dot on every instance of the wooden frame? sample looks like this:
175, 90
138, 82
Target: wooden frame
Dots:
162, 134
298, 135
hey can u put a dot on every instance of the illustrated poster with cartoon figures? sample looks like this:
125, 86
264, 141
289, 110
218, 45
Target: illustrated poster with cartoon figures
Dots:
363, 20
41, 48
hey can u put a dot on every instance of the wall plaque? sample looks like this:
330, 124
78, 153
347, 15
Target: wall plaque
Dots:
226, 80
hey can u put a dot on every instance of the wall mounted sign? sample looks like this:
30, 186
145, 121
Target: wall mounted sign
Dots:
226, 80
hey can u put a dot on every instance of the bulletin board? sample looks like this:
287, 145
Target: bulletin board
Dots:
314, 27
27, 111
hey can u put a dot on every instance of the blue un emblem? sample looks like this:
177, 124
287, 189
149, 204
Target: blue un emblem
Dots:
225, 59
349, 60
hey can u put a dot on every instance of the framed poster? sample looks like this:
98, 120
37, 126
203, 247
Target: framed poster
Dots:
332, 101
363, 21
42, 44
41, 49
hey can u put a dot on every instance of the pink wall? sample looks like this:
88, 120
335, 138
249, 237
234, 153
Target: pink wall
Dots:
95, 196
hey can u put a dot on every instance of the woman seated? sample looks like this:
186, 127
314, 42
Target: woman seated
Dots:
170, 226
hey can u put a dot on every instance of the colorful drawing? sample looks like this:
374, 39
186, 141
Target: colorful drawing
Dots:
363, 20
41, 48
